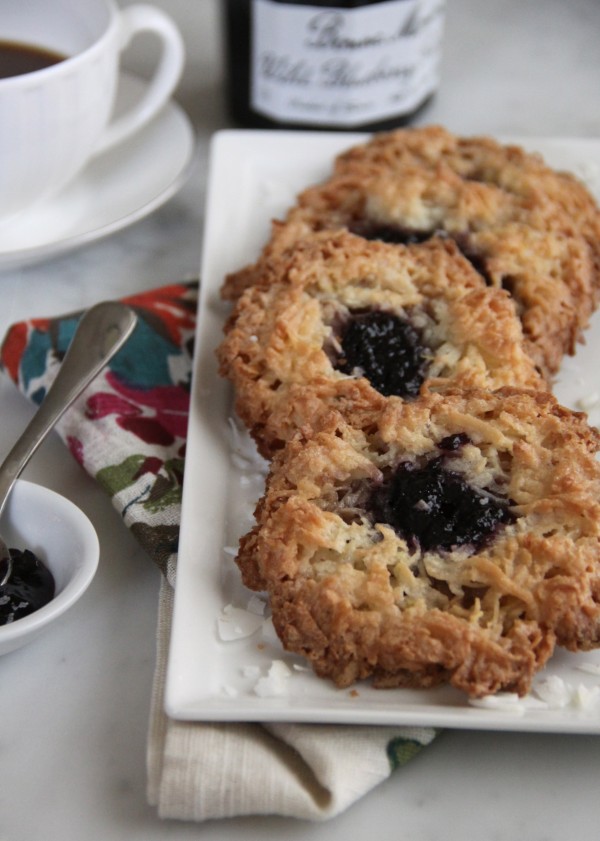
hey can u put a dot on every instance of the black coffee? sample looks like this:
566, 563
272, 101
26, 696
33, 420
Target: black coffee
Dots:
17, 59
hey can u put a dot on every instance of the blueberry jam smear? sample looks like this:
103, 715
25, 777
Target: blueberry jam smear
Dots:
386, 349
401, 235
30, 586
433, 508
452, 443
392, 234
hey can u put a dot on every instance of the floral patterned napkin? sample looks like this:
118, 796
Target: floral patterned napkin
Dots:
128, 431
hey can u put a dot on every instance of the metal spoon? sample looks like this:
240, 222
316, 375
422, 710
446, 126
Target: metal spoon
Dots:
101, 332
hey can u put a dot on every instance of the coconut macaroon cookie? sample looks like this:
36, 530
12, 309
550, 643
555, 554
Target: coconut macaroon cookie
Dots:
342, 322
457, 539
525, 227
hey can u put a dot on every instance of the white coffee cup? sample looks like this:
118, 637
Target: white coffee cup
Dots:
54, 120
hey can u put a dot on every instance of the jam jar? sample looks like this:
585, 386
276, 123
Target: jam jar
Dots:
355, 65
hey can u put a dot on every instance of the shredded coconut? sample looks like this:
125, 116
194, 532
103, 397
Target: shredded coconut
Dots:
506, 701
243, 452
276, 681
591, 401
586, 697
549, 693
256, 605
558, 694
235, 623
554, 691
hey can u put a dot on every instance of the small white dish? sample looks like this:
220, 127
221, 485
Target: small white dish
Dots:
63, 538
118, 188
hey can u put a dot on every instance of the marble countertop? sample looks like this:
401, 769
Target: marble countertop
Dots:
74, 704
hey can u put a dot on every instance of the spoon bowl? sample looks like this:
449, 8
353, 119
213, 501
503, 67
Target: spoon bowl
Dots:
63, 538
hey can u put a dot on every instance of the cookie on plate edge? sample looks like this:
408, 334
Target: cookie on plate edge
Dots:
524, 226
453, 539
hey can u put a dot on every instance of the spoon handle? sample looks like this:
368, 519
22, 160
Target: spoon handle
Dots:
102, 330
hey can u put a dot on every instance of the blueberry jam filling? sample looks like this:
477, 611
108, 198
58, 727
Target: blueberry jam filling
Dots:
384, 348
30, 586
392, 234
452, 443
433, 508
400, 235
475, 257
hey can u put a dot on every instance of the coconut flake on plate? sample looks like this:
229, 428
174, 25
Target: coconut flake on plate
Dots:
585, 697
275, 683
235, 623
559, 694
554, 691
244, 455
590, 401
505, 701
256, 605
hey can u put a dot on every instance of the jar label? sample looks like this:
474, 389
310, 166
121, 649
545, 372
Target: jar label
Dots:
344, 67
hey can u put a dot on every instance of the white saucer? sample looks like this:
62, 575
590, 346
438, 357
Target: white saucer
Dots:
116, 189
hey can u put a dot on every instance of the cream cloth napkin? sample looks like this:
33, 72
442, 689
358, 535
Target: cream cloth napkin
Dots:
128, 431
198, 771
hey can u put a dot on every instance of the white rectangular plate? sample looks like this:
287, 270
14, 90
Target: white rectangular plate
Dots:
254, 177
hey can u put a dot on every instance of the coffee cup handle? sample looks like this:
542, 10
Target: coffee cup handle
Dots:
145, 18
